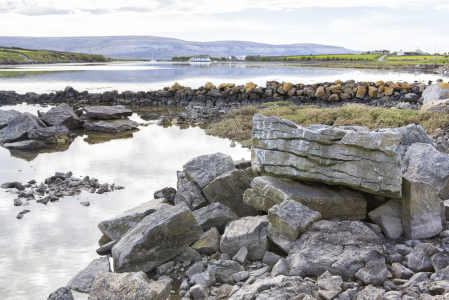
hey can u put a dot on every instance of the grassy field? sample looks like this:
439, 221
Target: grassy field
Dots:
341, 56
238, 124
423, 57
18, 55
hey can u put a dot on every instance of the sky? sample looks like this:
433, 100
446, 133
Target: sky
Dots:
354, 24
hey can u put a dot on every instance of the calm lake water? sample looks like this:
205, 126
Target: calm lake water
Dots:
52, 243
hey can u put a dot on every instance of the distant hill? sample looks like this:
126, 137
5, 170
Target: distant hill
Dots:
140, 47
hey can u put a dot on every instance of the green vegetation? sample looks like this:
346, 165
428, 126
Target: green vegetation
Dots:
344, 57
421, 59
238, 123
16, 55
186, 58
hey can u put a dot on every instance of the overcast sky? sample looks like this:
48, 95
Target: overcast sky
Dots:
354, 24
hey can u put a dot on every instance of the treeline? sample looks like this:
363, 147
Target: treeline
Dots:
186, 58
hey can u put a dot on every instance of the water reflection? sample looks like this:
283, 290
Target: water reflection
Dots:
98, 138
31, 155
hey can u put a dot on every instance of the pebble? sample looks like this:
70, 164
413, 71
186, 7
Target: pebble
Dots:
85, 203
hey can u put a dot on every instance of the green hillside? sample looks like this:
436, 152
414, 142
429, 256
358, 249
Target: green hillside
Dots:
14, 55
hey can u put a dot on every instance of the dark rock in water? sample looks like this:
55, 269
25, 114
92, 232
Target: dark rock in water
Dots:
6, 116
107, 112
84, 280
25, 145
85, 203
111, 127
149, 116
32, 181
50, 135
106, 249
22, 213
43, 200
41, 188
11, 185
62, 293
62, 115
18, 202
19, 126
168, 193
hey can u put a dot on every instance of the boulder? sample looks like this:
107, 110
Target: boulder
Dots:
62, 115
421, 210
370, 293
63, 293
196, 268
6, 116
330, 201
224, 269
374, 273
280, 268
199, 292
250, 232
388, 217
19, 126
328, 287
437, 91
435, 106
209, 242
156, 239
341, 248
228, 189
424, 163
288, 221
204, 169
400, 271
391, 226
128, 286
187, 254
190, 194
25, 145
167, 193
111, 126
214, 215
84, 280
117, 226
205, 279
419, 260
50, 135
364, 161
107, 112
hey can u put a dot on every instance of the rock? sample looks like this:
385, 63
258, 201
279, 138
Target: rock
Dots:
62, 115
205, 279
84, 280
280, 268
165, 268
62, 293
435, 106
421, 210
437, 91
391, 208
167, 193
400, 271
214, 215
199, 292
328, 288
50, 135
196, 268
106, 249
85, 203
128, 286
191, 194
411, 97
223, 291
107, 112
281, 287
117, 226
331, 202
341, 248
233, 144
12, 185
149, 116
6, 116
441, 275
25, 145
242, 164
424, 163
419, 260
111, 126
391, 226
187, 255
370, 293
228, 189
18, 202
181, 179
240, 257
365, 161
224, 270
156, 239
249, 232
204, 169
374, 273
439, 262
209, 242
249, 87
270, 258
240, 276
288, 221
19, 127
415, 280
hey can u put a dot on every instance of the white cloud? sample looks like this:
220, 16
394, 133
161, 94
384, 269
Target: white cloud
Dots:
443, 7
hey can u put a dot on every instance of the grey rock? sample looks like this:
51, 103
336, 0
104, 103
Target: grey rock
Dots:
365, 161
288, 221
111, 126
240, 257
181, 179
156, 239
421, 210
184, 285
187, 255
199, 292
331, 202
392, 295
19, 127
280, 268
370, 293
204, 169
62, 115
374, 273
50, 135
437, 91
25, 145
85, 203
242, 164
341, 248
391, 226
6, 116
270, 258
206, 279
419, 260
391, 208
249, 232
228, 189
196, 268
106, 249
441, 275
107, 112
224, 270
167, 193
439, 262
415, 280
240, 276
400, 271
328, 288
117, 226
191, 194
84, 280
128, 286
11, 185
165, 268
208, 243
18, 202
62, 293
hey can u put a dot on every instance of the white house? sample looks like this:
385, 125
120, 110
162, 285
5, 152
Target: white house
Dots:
240, 57
401, 53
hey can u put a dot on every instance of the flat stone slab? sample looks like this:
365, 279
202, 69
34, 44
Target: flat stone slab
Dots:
50, 135
435, 92
107, 112
84, 280
19, 127
6, 116
205, 168
111, 126
25, 145
214, 215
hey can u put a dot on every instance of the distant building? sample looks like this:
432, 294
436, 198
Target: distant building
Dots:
200, 58
377, 52
401, 53
231, 57
237, 57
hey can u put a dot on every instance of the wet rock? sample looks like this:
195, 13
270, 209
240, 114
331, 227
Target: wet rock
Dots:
149, 116
6, 116
50, 135
84, 280
19, 127
400, 271
117, 226
328, 288
209, 242
12, 185
107, 112
204, 169
106, 249
374, 273
327, 154
62, 115
156, 239
249, 232
191, 194
419, 260
224, 270
62, 293
111, 126
128, 286
25, 145
167, 193
22, 213
214, 215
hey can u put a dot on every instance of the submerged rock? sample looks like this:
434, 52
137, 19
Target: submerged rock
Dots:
111, 126
62, 115
19, 127
107, 112
25, 145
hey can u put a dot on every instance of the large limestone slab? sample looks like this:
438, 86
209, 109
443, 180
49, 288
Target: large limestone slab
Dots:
342, 248
156, 239
84, 280
117, 226
191, 194
330, 201
29, 145
6, 116
435, 106
437, 91
111, 126
421, 210
50, 135
214, 215
205, 168
62, 115
365, 161
107, 112
228, 190
19, 127
424, 163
